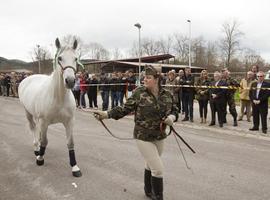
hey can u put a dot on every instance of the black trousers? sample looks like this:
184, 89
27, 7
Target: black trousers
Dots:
92, 96
8, 87
257, 112
217, 106
203, 103
188, 104
180, 102
77, 96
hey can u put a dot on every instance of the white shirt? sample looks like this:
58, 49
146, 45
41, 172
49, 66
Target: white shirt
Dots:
259, 85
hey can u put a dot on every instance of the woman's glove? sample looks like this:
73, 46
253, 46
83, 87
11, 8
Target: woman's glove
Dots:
100, 115
169, 120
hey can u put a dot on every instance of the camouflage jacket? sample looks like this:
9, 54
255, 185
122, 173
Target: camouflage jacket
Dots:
231, 82
202, 82
149, 112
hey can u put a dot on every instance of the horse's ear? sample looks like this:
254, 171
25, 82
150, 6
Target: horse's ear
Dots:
57, 43
75, 44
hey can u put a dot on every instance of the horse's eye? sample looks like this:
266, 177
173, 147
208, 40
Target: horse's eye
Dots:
59, 58
76, 59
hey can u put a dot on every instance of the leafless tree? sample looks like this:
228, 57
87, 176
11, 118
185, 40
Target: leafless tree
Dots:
230, 43
40, 53
81, 50
181, 48
150, 47
250, 58
96, 51
41, 56
166, 45
134, 51
199, 52
211, 54
117, 54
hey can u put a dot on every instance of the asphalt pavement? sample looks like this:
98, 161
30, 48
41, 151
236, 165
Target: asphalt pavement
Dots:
230, 163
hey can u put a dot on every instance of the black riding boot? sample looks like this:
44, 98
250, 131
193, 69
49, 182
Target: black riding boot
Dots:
235, 120
147, 183
157, 188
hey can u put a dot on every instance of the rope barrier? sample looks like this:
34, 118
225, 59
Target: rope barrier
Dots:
176, 86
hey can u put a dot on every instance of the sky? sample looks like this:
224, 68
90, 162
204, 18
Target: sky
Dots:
26, 23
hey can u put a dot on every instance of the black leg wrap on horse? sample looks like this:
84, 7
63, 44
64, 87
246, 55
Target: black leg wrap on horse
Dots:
157, 187
42, 151
72, 160
36, 153
147, 183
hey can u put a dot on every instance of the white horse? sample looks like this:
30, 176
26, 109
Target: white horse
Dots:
48, 100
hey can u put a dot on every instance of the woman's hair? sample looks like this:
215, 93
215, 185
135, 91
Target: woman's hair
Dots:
150, 70
202, 72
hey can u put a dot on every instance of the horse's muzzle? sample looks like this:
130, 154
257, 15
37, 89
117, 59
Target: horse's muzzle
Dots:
70, 82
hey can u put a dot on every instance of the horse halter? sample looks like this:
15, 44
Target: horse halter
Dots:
56, 60
67, 67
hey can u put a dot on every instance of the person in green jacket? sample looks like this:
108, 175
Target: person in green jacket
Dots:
153, 105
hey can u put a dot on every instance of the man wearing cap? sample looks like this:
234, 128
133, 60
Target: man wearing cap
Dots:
153, 105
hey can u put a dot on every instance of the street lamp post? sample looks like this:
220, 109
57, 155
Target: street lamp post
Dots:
189, 46
38, 46
139, 28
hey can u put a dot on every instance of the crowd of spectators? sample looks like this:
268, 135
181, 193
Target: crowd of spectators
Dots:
115, 87
9, 83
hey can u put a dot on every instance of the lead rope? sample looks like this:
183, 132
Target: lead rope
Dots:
183, 155
108, 130
175, 134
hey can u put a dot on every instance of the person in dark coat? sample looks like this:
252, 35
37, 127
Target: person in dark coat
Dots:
7, 83
104, 89
76, 90
259, 94
202, 94
83, 89
92, 91
217, 100
131, 80
188, 94
114, 90
180, 79
121, 88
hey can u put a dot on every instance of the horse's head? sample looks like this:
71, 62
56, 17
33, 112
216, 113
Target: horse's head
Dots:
66, 60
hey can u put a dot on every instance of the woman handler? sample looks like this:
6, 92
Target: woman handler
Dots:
153, 105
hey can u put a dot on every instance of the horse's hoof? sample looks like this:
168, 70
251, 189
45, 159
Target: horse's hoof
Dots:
77, 173
40, 162
36, 153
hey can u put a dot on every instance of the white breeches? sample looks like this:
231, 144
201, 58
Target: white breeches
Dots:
151, 151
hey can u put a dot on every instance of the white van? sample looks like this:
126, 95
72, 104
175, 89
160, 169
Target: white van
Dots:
267, 76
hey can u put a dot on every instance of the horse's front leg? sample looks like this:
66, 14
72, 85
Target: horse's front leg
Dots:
70, 143
43, 140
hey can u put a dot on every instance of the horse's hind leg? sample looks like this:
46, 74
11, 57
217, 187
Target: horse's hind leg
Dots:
70, 143
43, 127
33, 129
